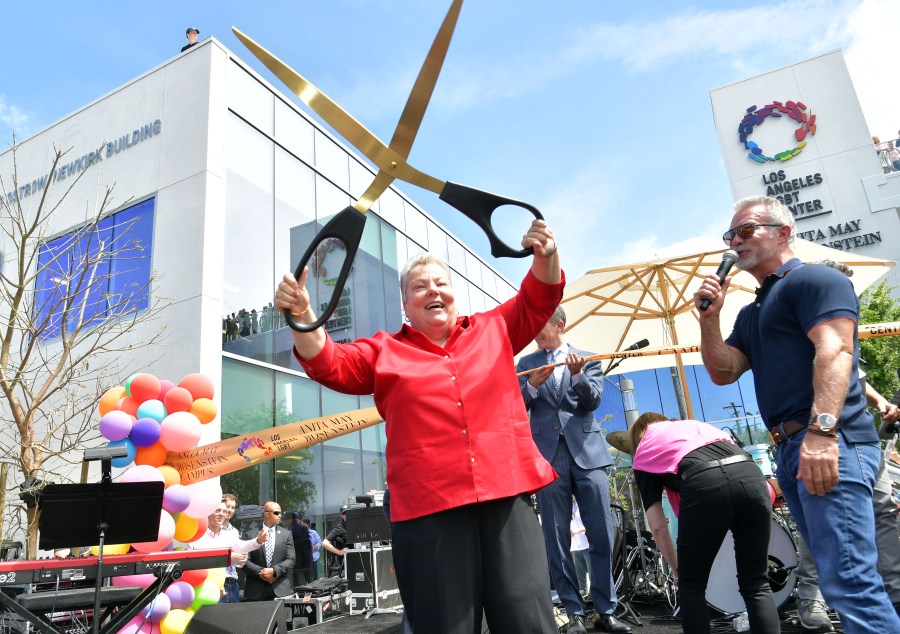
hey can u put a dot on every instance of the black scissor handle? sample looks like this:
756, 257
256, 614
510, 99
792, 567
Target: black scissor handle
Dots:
347, 227
479, 206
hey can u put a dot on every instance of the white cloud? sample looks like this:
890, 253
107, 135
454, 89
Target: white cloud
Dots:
14, 118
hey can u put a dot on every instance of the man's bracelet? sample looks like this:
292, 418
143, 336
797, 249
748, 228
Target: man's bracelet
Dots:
303, 313
819, 432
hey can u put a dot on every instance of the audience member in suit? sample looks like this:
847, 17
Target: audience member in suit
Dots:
269, 567
303, 547
561, 402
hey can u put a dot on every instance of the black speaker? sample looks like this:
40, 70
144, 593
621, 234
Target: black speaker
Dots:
253, 617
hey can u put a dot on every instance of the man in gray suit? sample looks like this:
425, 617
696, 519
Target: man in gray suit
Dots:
561, 403
269, 567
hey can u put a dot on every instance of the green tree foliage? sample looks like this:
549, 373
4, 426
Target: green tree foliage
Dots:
882, 354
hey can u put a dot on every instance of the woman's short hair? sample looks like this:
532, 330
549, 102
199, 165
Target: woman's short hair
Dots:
641, 424
421, 259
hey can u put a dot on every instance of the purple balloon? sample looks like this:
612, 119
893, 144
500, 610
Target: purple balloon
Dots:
115, 425
144, 432
158, 608
181, 595
176, 498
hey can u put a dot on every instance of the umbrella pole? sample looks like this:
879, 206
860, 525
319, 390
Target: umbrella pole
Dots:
681, 391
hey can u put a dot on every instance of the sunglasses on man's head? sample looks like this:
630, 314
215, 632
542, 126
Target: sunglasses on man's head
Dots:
744, 231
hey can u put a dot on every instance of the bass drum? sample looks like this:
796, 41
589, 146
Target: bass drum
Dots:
722, 591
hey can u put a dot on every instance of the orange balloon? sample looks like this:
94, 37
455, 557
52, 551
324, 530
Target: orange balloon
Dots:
204, 409
128, 405
202, 525
185, 527
178, 399
199, 385
170, 474
154, 455
109, 399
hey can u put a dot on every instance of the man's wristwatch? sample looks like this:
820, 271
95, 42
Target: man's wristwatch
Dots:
823, 425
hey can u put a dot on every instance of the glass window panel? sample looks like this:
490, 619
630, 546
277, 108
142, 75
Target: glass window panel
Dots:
389, 251
390, 208
333, 162
360, 178
245, 484
490, 284
295, 226
329, 201
294, 132
437, 241
371, 238
415, 224
247, 397
340, 485
473, 266
296, 398
250, 99
249, 273
392, 302
462, 290
130, 273
337, 403
456, 255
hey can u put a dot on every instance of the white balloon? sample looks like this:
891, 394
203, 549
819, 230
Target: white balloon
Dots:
205, 498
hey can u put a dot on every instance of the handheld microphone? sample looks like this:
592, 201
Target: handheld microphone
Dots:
643, 343
728, 260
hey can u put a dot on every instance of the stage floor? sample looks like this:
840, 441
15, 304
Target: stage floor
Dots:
655, 617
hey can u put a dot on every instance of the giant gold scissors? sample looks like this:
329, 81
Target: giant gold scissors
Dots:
347, 226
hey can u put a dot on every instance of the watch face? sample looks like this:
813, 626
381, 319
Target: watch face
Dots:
826, 421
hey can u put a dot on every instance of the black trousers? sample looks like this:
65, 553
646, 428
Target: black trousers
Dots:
486, 557
732, 497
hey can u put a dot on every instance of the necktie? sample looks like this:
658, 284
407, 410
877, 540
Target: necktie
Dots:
270, 546
554, 383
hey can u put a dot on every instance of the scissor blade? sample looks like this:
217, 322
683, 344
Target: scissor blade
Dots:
338, 118
417, 103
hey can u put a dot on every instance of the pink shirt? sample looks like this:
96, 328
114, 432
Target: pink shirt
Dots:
457, 429
665, 443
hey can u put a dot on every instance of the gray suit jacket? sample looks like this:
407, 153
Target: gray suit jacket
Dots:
283, 558
570, 412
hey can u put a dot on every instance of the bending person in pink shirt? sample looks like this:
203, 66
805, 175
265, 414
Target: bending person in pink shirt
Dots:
713, 487
460, 459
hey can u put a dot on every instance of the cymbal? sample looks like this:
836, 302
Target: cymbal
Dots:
620, 440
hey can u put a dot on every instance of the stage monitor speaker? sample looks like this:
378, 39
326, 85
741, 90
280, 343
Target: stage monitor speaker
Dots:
253, 617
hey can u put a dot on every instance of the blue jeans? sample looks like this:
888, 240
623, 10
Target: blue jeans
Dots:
232, 592
839, 529
582, 569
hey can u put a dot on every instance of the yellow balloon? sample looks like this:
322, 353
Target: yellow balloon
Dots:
217, 576
174, 622
111, 549
185, 527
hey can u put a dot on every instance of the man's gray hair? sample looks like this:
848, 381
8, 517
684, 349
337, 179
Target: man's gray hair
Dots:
774, 212
421, 259
559, 315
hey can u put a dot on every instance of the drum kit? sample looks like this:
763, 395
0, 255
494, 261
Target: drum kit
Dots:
639, 569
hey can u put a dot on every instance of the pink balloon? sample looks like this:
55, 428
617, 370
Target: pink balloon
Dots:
166, 533
141, 581
180, 431
176, 498
205, 498
164, 386
143, 473
116, 425
181, 595
158, 608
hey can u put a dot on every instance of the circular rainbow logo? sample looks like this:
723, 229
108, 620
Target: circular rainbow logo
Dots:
754, 118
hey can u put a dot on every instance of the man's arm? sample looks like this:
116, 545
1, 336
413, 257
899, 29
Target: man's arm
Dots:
890, 412
725, 364
587, 381
327, 545
833, 341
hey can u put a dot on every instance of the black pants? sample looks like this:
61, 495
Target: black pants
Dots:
732, 497
488, 556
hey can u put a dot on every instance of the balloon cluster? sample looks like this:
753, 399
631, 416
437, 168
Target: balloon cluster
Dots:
151, 417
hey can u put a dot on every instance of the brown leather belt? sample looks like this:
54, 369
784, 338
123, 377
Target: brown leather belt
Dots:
785, 430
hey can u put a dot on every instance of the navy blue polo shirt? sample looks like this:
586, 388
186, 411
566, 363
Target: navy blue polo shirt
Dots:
772, 333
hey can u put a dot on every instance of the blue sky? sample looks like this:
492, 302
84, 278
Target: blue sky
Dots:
598, 113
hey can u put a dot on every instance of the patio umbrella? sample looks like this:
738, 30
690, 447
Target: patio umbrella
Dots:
610, 308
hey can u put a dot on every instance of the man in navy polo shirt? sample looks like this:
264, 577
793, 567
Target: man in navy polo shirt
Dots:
800, 339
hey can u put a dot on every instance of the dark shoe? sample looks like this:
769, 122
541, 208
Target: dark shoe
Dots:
576, 625
609, 623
